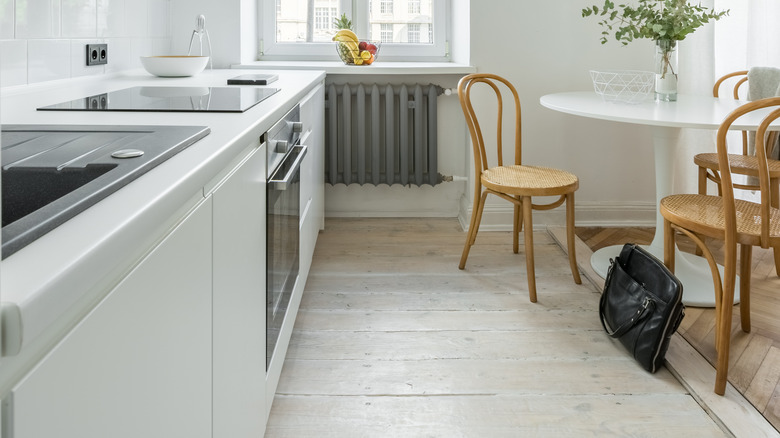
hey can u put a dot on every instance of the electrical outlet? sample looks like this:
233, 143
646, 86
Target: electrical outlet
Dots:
97, 54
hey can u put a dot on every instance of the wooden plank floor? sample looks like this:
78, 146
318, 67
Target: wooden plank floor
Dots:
754, 362
393, 340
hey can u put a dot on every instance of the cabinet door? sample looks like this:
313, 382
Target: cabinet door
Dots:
239, 300
139, 364
312, 173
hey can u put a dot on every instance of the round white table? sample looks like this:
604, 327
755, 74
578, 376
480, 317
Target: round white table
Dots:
666, 118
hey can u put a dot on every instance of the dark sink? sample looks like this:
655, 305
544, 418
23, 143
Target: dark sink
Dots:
51, 173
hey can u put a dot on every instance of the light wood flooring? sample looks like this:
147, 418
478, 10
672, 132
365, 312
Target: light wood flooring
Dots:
392, 340
754, 365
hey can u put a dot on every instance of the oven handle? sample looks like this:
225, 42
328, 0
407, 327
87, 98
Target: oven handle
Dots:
283, 184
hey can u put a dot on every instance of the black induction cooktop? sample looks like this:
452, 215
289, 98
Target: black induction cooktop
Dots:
174, 99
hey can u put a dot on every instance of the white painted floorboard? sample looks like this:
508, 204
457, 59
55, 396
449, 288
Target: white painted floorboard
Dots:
392, 340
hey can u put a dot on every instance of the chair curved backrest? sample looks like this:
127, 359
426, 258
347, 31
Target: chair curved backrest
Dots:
737, 86
735, 94
762, 133
477, 139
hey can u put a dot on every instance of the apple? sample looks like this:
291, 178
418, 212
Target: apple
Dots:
362, 45
371, 48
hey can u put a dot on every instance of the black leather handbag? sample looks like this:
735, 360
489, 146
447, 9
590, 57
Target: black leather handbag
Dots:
641, 305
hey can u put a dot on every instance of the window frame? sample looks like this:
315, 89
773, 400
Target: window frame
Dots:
358, 10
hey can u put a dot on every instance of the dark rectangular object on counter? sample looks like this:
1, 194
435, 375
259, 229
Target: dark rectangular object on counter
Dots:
253, 79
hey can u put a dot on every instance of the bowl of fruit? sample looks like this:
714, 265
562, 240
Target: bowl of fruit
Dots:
353, 50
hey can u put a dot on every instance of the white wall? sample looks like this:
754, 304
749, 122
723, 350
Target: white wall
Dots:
231, 25
43, 40
547, 47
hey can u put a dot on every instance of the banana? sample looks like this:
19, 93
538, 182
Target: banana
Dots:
345, 33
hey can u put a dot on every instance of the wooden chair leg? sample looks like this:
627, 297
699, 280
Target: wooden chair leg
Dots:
570, 242
529, 247
702, 180
702, 191
516, 230
476, 217
774, 201
776, 250
668, 245
724, 325
745, 270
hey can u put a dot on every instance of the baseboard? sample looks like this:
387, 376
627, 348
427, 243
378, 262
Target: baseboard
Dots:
448, 200
392, 201
587, 214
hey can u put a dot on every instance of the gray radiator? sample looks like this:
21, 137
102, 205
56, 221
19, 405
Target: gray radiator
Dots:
381, 134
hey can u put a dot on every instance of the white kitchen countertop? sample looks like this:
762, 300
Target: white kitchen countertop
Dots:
53, 281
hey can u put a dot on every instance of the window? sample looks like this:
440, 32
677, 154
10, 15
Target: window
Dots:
413, 33
414, 7
324, 18
302, 29
386, 33
386, 6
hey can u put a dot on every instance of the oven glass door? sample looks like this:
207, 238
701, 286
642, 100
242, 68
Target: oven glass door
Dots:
283, 223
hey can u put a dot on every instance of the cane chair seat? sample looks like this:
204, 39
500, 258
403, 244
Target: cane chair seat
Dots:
530, 180
703, 214
740, 164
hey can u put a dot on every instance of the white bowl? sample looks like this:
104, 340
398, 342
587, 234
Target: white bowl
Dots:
174, 66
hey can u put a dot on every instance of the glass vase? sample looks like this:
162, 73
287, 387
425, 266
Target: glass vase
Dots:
666, 70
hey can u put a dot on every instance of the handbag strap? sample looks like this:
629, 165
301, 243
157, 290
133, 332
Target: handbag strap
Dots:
641, 312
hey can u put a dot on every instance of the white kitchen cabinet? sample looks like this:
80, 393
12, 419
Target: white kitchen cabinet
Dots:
139, 364
312, 174
239, 299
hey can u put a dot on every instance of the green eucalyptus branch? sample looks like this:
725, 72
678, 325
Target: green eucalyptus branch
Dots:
671, 20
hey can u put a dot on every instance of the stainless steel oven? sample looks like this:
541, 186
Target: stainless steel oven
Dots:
285, 154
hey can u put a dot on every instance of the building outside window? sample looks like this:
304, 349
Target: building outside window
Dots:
414, 6
386, 6
386, 33
413, 33
324, 18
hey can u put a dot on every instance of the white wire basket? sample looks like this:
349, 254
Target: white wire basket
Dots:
627, 86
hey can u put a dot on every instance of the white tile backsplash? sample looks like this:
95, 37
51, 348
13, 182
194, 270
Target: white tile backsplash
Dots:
13, 62
79, 18
137, 17
6, 19
48, 60
38, 18
111, 18
42, 40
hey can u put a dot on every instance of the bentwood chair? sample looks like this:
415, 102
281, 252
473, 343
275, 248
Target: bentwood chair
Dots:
742, 164
516, 183
736, 222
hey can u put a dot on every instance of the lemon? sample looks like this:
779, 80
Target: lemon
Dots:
365, 55
358, 61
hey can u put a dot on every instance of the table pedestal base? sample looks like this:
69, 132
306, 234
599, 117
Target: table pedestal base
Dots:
693, 272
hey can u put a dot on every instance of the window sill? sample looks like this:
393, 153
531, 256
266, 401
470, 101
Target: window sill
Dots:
378, 68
